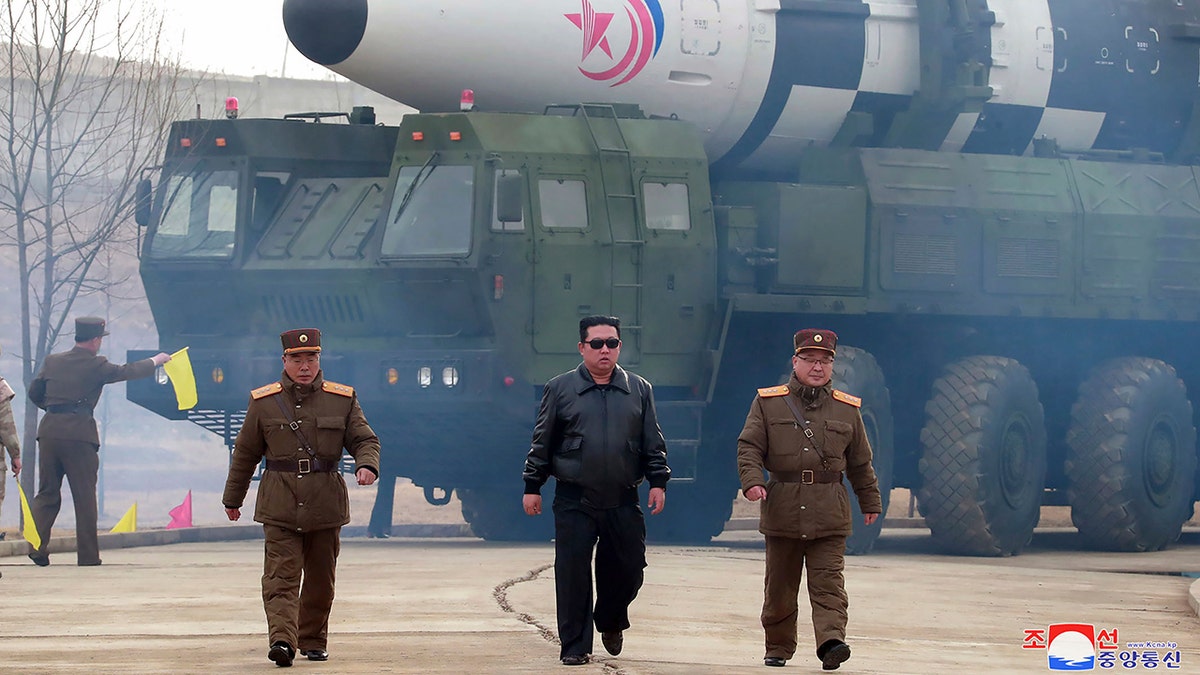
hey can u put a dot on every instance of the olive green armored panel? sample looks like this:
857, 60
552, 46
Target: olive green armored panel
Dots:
322, 221
1140, 243
970, 234
816, 233
636, 240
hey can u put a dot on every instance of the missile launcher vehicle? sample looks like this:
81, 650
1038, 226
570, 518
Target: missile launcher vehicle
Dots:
1019, 318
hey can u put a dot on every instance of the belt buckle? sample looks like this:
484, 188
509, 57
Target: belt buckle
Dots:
304, 465
807, 477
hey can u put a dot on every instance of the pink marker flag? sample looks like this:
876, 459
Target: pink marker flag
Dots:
181, 516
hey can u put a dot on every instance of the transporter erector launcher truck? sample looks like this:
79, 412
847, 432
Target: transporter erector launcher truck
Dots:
995, 204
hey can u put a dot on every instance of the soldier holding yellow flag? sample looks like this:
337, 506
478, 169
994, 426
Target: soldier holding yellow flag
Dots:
8, 437
300, 424
68, 388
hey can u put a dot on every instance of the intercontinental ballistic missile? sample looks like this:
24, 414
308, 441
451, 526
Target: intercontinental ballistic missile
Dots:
764, 79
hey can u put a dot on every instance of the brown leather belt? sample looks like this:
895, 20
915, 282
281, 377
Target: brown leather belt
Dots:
807, 476
302, 466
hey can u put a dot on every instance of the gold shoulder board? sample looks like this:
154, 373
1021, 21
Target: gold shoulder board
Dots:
768, 392
847, 398
339, 389
267, 390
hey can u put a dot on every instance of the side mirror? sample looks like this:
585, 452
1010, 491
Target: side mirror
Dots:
508, 198
142, 198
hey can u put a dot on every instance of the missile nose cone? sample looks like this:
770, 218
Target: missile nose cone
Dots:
325, 32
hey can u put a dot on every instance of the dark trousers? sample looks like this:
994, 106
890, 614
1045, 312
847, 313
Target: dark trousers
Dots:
79, 462
297, 584
786, 560
619, 538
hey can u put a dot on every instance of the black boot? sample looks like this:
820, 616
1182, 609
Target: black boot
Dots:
833, 654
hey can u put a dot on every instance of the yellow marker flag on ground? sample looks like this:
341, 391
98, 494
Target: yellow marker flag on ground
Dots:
179, 370
128, 522
30, 532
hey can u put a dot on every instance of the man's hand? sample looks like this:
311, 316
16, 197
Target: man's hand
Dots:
756, 493
160, 358
658, 500
233, 514
365, 476
532, 504
16, 466
870, 518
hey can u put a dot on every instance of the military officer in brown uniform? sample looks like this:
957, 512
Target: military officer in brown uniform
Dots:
300, 424
8, 437
806, 435
68, 388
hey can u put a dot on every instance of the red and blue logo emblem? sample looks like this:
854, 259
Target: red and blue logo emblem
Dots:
644, 37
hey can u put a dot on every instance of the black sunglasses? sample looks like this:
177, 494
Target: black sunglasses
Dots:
597, 343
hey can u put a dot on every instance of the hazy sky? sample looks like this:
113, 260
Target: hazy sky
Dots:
236, 37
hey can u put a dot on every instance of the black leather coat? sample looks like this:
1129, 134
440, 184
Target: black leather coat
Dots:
603, 438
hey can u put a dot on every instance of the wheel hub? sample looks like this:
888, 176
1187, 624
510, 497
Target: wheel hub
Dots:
1014, 462
1158, 461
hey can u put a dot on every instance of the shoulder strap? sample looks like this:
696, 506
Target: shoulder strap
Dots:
808, 432
295, 426
266, 390
768, 392
847, 398
339, 389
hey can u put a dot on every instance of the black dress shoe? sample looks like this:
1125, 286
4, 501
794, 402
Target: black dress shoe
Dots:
316, 654
835, 655
91, 563
39, 560
775, 661
575, 659
613, 642
282, 654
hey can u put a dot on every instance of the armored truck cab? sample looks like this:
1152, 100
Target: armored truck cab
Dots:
1020, 329
446, 318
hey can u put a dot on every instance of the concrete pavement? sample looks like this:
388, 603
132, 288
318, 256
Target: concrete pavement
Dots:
456, 605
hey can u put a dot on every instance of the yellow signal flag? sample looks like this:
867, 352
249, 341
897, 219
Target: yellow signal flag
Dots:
179, 370
128, 522
30, 532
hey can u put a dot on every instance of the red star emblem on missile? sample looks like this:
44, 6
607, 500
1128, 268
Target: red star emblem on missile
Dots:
594, 25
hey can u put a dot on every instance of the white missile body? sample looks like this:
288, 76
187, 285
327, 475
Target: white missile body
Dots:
763, 79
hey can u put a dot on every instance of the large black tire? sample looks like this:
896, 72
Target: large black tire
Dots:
497, 515
983, 466
856, 372
1132, 456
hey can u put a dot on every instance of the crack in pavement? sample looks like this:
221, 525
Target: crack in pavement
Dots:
500, 594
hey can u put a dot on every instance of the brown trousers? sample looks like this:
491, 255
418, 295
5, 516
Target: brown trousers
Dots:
79, 462
786, 559
297, 584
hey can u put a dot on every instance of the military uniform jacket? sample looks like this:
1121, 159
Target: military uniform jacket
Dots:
772, 439
75, 379
8, 426
331, 419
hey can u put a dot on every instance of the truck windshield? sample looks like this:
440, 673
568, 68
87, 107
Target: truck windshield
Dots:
431, 212
199, 216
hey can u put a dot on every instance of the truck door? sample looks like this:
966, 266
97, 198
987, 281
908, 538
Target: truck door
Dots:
678, 266
572, 261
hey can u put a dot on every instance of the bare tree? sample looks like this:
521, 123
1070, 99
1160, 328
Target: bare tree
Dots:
87, 95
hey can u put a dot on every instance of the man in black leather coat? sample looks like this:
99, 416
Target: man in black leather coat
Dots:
597, 433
